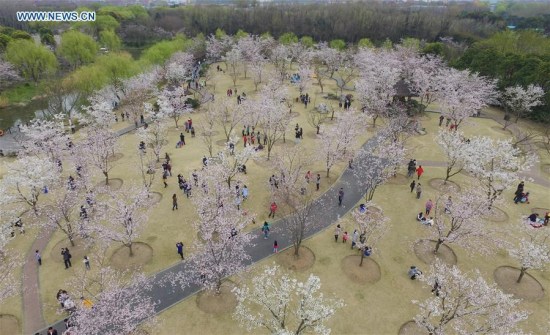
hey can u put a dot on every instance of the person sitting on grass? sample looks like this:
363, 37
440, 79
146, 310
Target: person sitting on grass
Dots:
368, 251
420, 217
524, 198
533, 220
414, 272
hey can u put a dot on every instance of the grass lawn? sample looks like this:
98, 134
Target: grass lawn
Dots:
375, 308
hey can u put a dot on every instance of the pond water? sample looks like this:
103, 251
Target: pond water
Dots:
14, 115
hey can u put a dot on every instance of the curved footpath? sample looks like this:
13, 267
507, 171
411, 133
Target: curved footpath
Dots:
326, 211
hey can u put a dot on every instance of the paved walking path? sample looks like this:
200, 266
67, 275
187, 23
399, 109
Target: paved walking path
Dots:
326, 211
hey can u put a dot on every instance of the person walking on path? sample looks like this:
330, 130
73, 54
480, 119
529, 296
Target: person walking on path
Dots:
340, 196
38, 257
337, 232
182, 139
429, 206
164, 177
345, 237
318, 181
441, 117
265, 230
412, 185
87, 262
418, 191
179, 245
419, 171
174, 201
275, 247
66, 257
272, 209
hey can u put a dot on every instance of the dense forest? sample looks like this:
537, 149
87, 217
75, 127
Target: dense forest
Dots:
350, 22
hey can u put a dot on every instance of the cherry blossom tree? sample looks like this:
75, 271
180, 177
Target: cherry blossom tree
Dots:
61, 213
379, 73
372, 224
216, 48
122, 215
154, 136
45, 136
8, 74
98, 147
99, 112
496, 164
250, 48
27, 178
520, 101
146, 164
346, 71
233, 59
172, 104
337, 141
206, 128
304, 71
10, 262
280, 58
295, 201
120, 305
316, 118
268, 110
463, 225
463, 94
425, 80
258, 72
221, 250
375, 166
320, 59
284, 305
533, 251
232, 160
228, 115
180, 67
456, 149
465, 304
137, 90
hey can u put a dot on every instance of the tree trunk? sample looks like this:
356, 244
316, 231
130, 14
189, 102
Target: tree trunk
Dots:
297, 249
318, 128
362, 257
71, 239
328, 171
106, 174
438, 244
131, 251
521, 273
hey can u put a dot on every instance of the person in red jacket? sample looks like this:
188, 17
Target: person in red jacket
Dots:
419, 171
272, 209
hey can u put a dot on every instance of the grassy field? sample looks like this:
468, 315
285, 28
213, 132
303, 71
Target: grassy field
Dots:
377, 308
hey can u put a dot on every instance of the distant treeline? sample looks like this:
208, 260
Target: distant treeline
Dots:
350, 22
514, 58
323, 22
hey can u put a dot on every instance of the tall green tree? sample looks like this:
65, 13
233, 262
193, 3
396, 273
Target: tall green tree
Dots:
288, 38
365, 43
77, 48
110, 40
338, 44
33, 61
